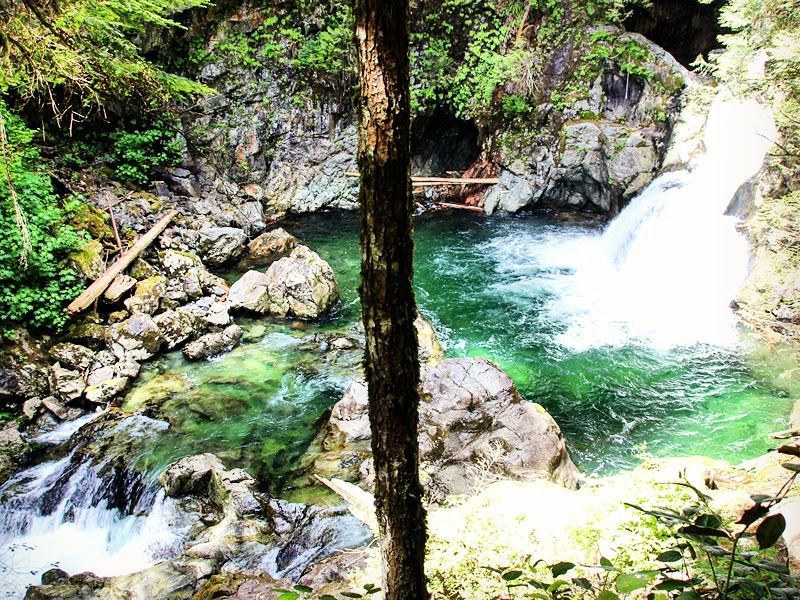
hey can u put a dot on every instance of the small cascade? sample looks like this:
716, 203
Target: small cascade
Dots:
87, 510
666, 269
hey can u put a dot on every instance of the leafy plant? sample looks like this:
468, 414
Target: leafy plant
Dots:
138, 153
35, 281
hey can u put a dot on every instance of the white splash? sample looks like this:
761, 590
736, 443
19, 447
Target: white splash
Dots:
664, 272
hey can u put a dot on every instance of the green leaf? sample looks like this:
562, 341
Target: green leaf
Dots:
690, 595
352, 595
708, 520
558, 583
327, 597
287, 595
582, 582
670, 556
512, 575
604, 562
303, 588
607, 595
792, 467
628, 582
670, 585
770, 530
703, 531
560, 568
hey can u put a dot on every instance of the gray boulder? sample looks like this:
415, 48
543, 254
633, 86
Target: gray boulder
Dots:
220, 245
177, 326
73, 356
137, 338
301, 285
191, 475
470, 413
213, 344
106, 390
148, 295
66, 384
251, 292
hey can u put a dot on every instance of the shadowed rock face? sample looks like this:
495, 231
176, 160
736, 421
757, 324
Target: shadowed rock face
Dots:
473, 424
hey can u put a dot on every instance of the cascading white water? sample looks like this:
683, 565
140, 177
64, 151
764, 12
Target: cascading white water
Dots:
60, 513
666, 269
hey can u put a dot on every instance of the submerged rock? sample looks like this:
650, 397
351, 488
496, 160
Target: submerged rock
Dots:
470, 413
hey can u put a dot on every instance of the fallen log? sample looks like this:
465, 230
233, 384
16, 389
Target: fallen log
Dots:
93, 292
432, 181
461, 206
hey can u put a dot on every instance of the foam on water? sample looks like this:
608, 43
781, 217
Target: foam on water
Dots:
665, 270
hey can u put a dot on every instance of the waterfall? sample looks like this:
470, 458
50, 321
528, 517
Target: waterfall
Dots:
85, 511
666, 269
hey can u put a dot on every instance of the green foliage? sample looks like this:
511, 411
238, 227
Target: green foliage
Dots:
79, 55
34, 287
137, 153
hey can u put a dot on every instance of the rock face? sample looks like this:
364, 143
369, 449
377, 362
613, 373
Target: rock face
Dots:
470, 413
301, 285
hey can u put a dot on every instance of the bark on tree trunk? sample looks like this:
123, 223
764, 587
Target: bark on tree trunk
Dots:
387, 293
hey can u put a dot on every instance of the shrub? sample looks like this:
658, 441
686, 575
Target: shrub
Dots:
35, 281
137, 154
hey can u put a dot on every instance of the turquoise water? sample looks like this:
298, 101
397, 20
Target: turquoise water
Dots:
500, 288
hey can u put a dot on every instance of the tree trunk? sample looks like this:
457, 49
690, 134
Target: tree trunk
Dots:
387, 293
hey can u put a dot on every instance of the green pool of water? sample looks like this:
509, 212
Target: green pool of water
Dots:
495, 288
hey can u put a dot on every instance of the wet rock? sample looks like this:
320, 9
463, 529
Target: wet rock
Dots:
177, 326
301, 285
121, 285
148, 295
106, 390
191, 475
272, 245
213, 344
137, 338
53, 576
220, 245
73, 356
66, 383
127, 368
250, 292
470, 412
240, 586
60, 410
11, 440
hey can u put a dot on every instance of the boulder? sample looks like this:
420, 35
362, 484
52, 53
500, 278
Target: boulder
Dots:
250, 292
73, 356
301, 285
66, 383
106, 390
272, 245
213, 344
177, 326
470, 412
220, 245
141, 269
209, 310
148, 295
88, 260
137, 338
121, 285
100, 374
60, 410
191, 475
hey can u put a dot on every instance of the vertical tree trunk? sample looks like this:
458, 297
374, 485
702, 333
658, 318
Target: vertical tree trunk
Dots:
387, 293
